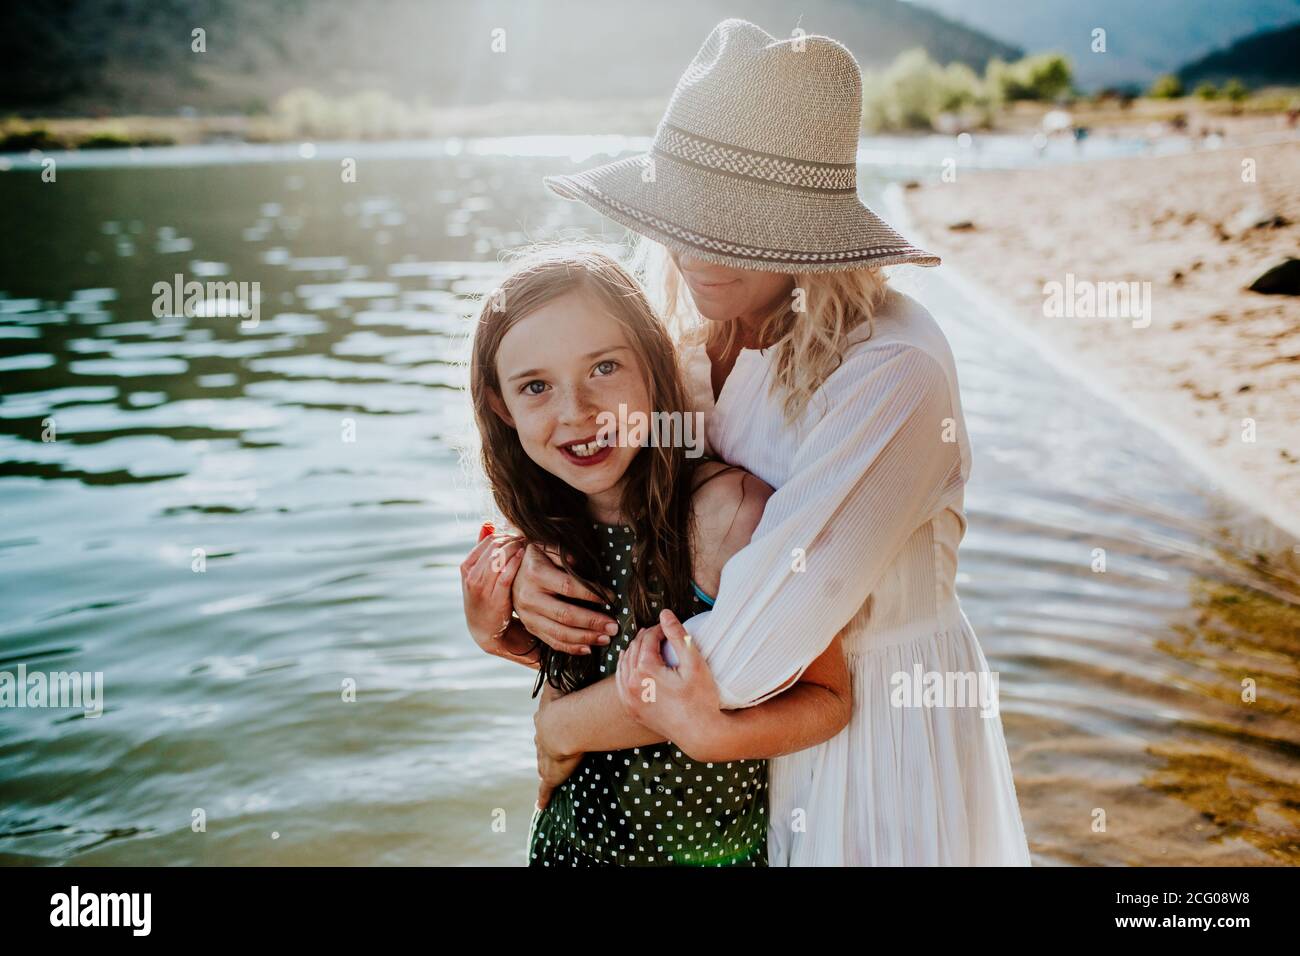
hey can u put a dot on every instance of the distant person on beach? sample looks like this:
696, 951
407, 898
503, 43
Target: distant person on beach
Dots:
841, 394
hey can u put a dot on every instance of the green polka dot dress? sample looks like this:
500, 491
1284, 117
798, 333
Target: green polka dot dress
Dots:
651, 805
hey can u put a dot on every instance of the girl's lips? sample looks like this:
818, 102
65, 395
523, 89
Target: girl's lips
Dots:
593, 459
590, 460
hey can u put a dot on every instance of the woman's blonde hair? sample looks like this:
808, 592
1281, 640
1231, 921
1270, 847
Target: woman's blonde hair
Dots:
808, 330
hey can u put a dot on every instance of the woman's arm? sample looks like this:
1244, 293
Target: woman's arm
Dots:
597, 717
812, 711
870, 471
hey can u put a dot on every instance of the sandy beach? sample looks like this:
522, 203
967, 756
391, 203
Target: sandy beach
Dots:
1182, 339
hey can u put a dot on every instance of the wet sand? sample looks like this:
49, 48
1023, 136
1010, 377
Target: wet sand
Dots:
1209, 362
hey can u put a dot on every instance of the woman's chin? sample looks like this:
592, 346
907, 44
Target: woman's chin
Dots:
712, 311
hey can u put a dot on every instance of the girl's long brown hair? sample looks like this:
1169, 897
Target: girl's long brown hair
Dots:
656, 501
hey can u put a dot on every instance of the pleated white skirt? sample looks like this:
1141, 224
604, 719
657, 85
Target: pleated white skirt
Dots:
904, 784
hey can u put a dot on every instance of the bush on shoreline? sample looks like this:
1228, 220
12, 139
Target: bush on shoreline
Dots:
17, 137
1044, 77
916, 93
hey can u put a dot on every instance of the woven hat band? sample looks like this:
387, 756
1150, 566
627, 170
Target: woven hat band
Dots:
825, 178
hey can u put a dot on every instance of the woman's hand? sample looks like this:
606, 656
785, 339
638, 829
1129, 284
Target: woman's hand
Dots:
681, 702
552, 768
485, 579
539, 589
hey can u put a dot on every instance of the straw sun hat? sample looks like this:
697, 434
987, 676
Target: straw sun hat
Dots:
754, 165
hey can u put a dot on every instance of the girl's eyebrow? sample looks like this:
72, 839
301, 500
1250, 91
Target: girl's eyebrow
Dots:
588, 356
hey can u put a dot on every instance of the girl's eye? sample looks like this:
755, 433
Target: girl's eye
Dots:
606, 367
529, 390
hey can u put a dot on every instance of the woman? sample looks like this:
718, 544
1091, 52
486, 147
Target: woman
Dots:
842, 395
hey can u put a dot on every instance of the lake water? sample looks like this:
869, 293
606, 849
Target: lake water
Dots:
310, 467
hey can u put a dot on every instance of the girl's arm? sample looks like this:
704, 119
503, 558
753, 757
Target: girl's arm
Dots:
596, 718
588, 720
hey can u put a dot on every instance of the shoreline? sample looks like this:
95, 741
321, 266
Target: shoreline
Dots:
1216, 369
376, 117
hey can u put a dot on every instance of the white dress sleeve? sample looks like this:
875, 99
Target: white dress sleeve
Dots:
866, 475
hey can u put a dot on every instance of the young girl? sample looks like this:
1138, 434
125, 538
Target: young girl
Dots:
566, 348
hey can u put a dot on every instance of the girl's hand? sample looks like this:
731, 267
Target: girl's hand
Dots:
485, 579
539, 593
552, 768
681, 702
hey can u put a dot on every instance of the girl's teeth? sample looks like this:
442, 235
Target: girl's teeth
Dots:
588, 449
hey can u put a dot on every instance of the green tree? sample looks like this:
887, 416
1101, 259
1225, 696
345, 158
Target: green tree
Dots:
914, 90
1044, 76
1047, 75
1167, 87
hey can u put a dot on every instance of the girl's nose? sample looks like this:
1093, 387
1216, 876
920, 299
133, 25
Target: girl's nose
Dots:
576, 406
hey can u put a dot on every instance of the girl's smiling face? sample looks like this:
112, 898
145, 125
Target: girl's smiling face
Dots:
564, 370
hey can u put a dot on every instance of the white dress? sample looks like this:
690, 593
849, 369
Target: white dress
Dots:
863, 531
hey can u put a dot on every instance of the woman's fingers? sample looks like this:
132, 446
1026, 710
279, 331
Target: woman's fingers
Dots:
487, 543
562, 640
648, 644
507, 575
550, 579
536, 585
683, 647
537, 590
484, 572
570, 615
556, 557
505, 551
562, 637
471, 560
480, 559
628, 656
556, 622
625, 680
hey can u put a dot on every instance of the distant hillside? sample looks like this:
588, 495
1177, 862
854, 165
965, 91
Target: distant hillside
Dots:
1269, 57
134, 55
1144, 38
